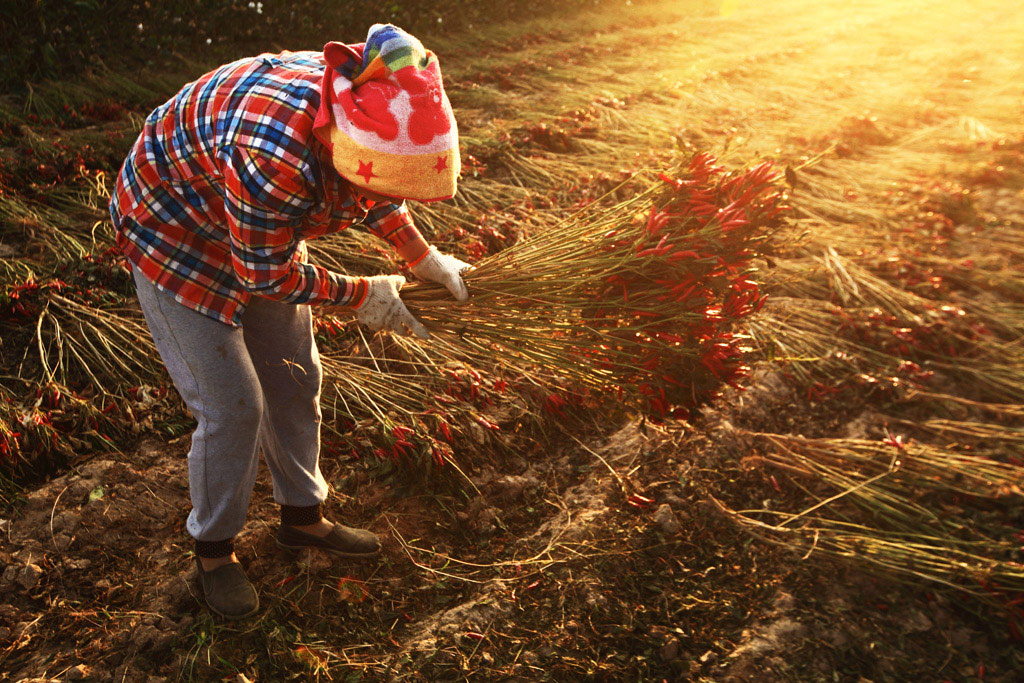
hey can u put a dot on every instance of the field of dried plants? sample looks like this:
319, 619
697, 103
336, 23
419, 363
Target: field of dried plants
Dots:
739, 395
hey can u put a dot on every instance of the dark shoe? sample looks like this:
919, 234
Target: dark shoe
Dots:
342, 541
228, 592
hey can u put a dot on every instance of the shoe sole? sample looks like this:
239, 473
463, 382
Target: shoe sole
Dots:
239, 617
336, 553
216, 611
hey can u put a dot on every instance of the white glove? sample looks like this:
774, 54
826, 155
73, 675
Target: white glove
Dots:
382, 308
443, 269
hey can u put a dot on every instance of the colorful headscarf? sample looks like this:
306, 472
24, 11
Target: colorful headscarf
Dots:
386, 119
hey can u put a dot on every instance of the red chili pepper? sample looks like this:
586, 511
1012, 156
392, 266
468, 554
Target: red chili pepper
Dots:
687, 293
655, 251
677, 184
657, 405
638, 501
745, 286
437, 456
680, 255
687, 281
656, 221
285, 581
895, 441
670, 337
732, 224
713, 365
702, 208
488, 424
399, 431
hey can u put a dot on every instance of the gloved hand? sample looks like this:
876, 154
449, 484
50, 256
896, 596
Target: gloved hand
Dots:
382, 307
443, 269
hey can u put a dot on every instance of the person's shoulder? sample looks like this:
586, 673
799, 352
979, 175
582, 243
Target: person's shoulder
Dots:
273, 107
289, 82
303, 60
297, 69
294, 78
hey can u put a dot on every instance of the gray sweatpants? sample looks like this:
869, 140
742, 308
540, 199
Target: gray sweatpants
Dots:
247, 387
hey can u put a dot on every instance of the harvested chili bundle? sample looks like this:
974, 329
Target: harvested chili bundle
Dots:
641, 298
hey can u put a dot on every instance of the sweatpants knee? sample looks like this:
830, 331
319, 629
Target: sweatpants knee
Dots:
234, 419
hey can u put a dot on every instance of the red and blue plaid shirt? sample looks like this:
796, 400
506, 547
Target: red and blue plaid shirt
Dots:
226, 181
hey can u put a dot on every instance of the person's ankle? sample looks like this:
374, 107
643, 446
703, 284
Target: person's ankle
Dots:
211, 563
307, 519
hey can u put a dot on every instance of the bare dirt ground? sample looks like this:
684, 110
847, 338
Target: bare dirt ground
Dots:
549, 574
598, 553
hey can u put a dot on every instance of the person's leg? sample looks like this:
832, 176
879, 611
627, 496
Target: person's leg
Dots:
279, 338
280, 341
210, 366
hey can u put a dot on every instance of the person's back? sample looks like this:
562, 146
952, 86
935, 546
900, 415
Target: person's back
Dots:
226, 180
264, 104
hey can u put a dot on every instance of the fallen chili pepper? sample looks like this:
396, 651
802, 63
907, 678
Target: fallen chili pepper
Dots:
638, 501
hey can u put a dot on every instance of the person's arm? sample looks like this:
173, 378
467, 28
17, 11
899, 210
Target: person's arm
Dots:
263, 201
393, 223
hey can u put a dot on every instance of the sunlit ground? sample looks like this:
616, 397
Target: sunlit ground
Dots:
891, 118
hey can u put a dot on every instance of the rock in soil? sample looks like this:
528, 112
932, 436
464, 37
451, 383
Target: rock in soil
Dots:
78, 673
29, 576
666, 520
670, 651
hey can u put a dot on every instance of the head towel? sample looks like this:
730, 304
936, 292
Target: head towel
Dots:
386, 119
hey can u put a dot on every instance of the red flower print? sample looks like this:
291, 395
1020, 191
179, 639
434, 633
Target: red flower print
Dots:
367, 108
429, 118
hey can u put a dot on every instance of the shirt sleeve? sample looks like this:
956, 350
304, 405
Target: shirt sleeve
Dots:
263, 201
393, 223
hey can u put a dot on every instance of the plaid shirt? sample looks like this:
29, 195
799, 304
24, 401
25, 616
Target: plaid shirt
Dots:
226, 181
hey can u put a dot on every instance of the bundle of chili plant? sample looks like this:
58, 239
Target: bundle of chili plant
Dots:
641, 299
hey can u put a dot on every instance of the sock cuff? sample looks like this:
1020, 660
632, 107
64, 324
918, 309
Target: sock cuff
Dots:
214, 549
300, 516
